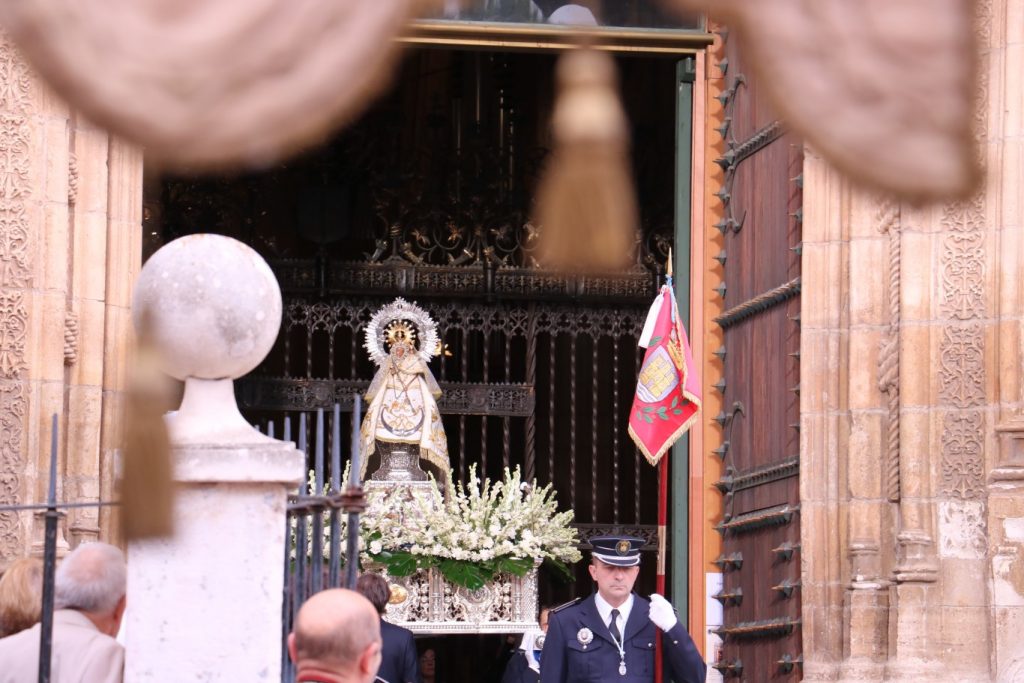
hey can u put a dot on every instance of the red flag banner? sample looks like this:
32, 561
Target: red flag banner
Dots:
667, 390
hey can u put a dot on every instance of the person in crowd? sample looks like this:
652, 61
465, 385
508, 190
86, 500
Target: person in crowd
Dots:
505, 649
428, 666
89, 603
336, 639
21, 595
611, 635
524, 667
398, 654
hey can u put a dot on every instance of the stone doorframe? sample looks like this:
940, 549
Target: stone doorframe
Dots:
70, 247
912, 462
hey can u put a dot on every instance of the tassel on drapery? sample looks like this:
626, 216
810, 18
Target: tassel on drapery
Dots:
586, 209
146, 486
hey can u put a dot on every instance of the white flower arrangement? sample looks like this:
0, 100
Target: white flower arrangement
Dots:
483, 528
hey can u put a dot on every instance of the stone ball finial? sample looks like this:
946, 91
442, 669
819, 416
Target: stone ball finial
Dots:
215, 306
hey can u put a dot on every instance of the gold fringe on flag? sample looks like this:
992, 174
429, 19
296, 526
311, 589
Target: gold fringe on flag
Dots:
586, 209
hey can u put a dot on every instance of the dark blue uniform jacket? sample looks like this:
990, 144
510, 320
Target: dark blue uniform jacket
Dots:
519, 671
399, 663
567, 660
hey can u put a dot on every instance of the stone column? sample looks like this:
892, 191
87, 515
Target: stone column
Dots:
872, 449
22, 220
916, 567
824, 422
70, 200
1005, 485
1006, 539
123, 261
953, 287
849, 423
205, 603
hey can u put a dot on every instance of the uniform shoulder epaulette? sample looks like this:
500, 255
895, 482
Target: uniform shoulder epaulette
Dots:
556, 610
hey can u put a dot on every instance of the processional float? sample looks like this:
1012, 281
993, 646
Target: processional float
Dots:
461, 557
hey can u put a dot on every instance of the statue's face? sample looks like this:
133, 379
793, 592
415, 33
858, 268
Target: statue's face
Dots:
400, 350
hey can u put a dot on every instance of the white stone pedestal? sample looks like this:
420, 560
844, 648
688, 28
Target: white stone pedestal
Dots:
205, 604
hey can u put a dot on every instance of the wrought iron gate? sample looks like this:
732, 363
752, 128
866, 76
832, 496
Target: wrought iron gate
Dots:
428, 197
544, 386
760, 423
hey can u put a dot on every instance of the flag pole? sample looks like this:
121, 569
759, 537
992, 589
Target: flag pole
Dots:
659, 581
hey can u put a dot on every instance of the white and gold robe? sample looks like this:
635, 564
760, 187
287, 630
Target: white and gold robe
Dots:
403, 409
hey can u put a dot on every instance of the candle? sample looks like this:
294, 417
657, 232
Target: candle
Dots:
357, 408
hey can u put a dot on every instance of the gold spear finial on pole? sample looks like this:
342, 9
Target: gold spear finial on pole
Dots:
668, 264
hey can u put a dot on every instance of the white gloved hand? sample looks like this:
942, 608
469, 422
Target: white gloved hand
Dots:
662, 613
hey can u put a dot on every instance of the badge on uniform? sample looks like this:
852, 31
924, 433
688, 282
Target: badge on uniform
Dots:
585, 636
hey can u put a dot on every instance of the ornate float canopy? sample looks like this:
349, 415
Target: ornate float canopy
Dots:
401, 321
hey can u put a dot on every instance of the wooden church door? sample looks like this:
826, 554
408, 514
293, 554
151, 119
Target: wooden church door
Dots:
760, 530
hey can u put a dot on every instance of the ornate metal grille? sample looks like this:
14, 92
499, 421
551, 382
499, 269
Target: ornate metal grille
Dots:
539, 385
428, 197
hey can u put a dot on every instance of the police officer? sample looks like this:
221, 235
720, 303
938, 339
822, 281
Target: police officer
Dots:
609, 637
524, 666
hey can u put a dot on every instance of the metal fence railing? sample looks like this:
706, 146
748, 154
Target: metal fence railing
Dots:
52, 517
321, 499
314, 500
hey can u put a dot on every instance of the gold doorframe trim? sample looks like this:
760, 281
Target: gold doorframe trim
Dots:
551, 38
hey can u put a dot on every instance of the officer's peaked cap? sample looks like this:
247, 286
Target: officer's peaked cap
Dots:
618, 551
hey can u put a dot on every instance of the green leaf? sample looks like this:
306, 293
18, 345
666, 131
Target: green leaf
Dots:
654, 340
648, 409
675, 402
677, 411
517, 566
648, 420
398, 562
466, 574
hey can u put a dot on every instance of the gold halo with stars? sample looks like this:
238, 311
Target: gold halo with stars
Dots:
401, 320
399, 331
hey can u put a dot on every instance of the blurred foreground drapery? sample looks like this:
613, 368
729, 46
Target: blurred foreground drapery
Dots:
213, 84
883, 89
145, 489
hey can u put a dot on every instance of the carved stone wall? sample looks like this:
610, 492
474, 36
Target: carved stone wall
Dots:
912, 432
18, 141
70, 246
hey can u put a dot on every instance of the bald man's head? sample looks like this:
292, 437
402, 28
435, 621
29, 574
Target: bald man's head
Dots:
337, 630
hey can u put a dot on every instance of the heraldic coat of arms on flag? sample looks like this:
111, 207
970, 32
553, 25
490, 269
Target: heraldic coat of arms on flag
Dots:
667, 389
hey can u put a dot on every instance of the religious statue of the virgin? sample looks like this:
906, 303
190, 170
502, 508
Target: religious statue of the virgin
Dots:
402, 428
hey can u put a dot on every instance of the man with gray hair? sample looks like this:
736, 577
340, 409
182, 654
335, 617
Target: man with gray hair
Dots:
89, 603
336, 639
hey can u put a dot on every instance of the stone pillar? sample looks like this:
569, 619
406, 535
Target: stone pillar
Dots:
70, 244
205, 603
22, 220
911, 357
915, 567
1006, 529
824, 421
1005, 486
872, 325
849, 423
